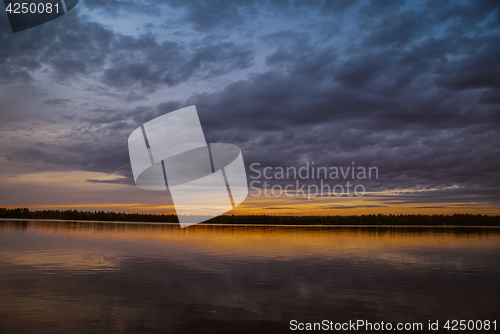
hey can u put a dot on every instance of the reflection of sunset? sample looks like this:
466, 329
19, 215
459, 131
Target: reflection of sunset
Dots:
68, 261
56, 270
272, 241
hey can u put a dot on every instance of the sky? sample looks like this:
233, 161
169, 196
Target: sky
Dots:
409, 87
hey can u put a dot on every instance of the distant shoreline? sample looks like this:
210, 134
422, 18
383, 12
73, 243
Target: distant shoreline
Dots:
210, 224
375, 220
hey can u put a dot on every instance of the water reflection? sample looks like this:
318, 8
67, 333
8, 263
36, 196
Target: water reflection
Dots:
61, 277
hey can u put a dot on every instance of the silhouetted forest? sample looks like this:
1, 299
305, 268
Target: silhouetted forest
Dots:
451, 220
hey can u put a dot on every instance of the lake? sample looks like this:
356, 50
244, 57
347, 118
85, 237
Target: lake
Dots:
87, 277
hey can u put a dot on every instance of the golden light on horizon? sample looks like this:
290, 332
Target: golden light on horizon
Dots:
71, 190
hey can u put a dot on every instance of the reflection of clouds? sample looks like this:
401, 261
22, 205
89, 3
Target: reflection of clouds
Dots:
407, 259
277, 241
74, 261
399, 249
164, 278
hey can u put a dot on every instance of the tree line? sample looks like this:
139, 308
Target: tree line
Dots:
412, 219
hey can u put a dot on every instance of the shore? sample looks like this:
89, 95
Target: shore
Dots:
271, 225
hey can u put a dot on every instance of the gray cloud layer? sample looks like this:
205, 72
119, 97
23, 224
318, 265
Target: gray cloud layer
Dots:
410, 88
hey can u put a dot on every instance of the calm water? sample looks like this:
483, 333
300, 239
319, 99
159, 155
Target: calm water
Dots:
68, 277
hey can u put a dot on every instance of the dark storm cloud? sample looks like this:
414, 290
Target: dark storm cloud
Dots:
491, 96
13, 75
206, 15
77, 47
96, 147
399, 29
114, 8
411, 89
97, 144
463, 196
149, 64
73, 46
383, 105
479, 70
201, 15
133, 96
215, 13
57, 102
218, 15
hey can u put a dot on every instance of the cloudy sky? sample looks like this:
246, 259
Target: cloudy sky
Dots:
412, 88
